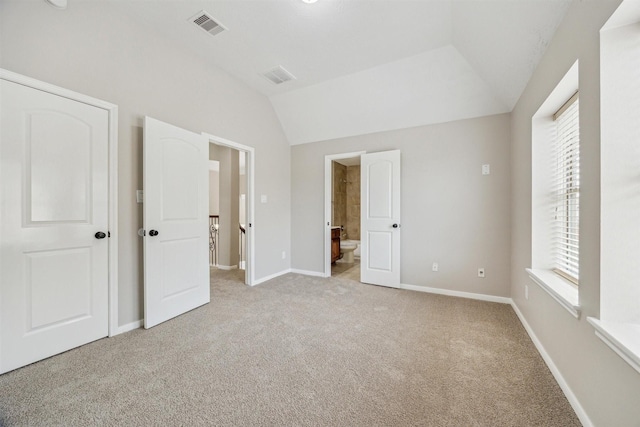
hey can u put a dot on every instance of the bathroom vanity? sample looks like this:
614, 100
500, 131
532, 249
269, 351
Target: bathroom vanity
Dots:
335, 244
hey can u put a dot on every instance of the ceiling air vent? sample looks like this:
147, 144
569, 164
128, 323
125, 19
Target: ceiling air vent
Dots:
279, 75
203, 20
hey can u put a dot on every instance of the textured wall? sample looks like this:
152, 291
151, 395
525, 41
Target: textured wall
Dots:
353, 202
339, 194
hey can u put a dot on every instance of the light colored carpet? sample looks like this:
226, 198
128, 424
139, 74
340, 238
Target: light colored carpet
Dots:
300, 351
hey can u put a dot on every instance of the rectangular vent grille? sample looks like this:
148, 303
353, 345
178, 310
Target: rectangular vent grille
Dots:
279, 75
203, 20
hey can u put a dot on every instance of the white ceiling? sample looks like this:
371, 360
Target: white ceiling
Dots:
366, 66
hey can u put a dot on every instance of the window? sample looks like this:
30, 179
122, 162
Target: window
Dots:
618, 324
555, 194
566, 191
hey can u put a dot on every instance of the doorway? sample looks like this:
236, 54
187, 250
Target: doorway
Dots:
342, 215
380, 232
231, 250
176, 213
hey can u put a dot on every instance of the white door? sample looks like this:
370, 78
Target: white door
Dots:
176, 221
380, 224
54, 197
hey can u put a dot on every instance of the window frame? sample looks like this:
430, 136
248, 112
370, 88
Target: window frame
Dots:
543, 134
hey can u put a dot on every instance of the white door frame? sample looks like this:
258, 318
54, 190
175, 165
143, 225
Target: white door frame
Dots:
327, 204
250, 229
112, 111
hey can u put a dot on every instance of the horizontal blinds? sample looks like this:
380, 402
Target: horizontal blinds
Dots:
565, 186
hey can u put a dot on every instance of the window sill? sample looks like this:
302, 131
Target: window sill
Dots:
623, 338
559, 289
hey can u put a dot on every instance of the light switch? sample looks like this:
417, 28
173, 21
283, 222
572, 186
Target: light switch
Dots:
486, 169
263, 198
139, 196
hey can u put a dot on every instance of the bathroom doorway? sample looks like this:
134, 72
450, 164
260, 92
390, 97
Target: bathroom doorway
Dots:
230, 211
342, 215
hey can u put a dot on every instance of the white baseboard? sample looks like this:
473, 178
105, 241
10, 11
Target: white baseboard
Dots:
130, 326
271, 276
573, 400
308, 272
481, 297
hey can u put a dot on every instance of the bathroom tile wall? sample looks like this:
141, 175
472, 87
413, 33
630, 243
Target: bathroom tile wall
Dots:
339, 196
352, 226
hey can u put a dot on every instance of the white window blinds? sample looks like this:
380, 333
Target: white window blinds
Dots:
566, 190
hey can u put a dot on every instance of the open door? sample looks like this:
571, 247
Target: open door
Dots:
176, 221
380, 218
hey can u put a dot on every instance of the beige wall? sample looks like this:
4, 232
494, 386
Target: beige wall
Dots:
227, 244
451, 214
214, 192
92, 50
605, 386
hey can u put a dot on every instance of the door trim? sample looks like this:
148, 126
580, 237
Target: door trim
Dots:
112, 111
327, 204
250, 206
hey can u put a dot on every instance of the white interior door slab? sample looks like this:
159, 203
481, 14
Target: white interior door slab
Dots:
380, 218
176, 220
54, 197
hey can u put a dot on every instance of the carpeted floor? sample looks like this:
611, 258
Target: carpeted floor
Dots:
300, 351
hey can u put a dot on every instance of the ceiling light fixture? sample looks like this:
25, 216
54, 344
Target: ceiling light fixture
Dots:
309, 1
58, 4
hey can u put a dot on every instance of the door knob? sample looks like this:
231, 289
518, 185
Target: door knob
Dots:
153, 233
100, 235
395, 225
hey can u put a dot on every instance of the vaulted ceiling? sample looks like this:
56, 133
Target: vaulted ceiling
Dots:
364, 66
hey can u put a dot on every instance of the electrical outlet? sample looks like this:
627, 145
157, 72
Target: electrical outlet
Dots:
486, 169
434, 267
481, 272
284, 255
526, 292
